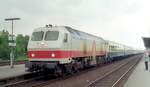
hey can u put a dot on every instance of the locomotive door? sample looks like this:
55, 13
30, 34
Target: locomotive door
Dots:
85, 47
93, 53
67, 45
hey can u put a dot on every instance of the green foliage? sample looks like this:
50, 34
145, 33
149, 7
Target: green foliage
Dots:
21, 45
4, 48
21, 58
0, 40
20, 49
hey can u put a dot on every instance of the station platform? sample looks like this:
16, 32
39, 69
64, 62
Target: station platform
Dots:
7, 72
139, 77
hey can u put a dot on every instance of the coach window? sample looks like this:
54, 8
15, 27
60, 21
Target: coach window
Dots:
65, 37
37, 36
51, 35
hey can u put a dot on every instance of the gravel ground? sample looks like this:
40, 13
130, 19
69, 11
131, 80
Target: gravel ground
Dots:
85, 78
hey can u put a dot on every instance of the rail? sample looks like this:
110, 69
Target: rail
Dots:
105, 79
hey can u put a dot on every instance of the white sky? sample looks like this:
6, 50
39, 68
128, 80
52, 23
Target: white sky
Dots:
123, 21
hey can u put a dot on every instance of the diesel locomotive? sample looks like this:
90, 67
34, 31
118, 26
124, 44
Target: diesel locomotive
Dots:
62, 49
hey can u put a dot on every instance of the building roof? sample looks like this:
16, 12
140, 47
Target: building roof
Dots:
146, 41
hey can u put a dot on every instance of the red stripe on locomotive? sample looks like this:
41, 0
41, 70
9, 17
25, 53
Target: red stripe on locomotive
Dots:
61, 54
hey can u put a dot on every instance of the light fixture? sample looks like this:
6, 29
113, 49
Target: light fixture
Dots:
33, 55
53, 55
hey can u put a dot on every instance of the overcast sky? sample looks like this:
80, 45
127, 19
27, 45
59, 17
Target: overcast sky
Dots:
123, 21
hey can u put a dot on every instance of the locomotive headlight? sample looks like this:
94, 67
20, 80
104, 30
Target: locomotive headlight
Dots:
53, 55
33, 55
42, 43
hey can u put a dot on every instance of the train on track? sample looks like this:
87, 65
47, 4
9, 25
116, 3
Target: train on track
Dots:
62, 49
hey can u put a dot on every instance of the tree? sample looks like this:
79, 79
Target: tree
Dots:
4, 48
0, 40
26, 42
21, 45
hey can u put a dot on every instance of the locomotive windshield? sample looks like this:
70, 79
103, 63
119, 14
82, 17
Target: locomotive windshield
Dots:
37, 36
51, 35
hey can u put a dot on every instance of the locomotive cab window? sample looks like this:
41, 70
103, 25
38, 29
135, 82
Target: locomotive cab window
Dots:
65, 37
37, 36
51, 35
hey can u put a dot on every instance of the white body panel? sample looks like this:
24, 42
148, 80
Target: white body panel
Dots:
83, 44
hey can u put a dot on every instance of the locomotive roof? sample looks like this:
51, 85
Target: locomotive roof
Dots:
80, 33
72, 31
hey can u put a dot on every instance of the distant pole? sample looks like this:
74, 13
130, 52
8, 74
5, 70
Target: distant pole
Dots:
12, 41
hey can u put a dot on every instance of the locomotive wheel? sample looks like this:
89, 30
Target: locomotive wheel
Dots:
75, 69
58, 71
63, 70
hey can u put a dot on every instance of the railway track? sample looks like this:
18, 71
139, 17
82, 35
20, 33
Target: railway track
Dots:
41, 80
85, 78
114, 77
20, 81
4, 63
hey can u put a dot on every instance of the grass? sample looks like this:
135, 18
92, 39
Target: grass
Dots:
23, 57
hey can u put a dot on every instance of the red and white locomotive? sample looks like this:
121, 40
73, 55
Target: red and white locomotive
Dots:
62, 49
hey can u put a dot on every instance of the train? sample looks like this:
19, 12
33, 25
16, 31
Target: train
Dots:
62, 49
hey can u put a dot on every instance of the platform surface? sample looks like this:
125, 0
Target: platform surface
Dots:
7, 72
139, 77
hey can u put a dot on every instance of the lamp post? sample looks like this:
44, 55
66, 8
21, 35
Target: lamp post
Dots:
12, 44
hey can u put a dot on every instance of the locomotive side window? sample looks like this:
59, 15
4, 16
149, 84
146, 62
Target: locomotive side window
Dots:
37, 36
65, 37
51, 35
